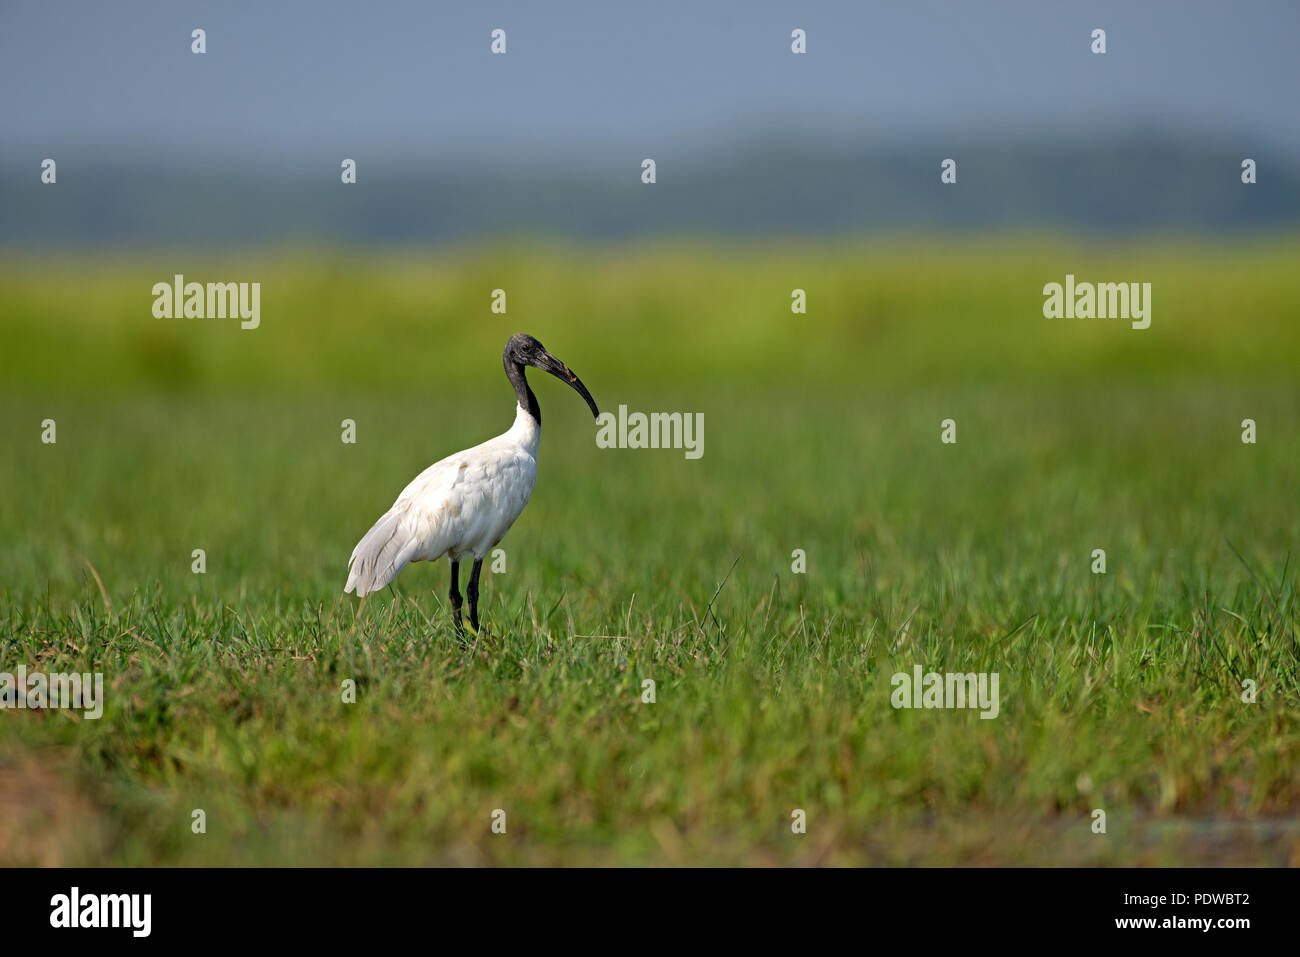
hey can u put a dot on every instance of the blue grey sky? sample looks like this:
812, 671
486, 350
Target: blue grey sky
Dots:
584, 78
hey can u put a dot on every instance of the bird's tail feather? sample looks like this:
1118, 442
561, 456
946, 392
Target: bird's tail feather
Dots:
382, 552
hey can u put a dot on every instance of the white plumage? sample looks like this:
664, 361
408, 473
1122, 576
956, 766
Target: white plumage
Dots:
462, 506
459, 507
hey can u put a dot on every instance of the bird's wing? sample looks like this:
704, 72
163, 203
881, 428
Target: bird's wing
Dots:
407, 530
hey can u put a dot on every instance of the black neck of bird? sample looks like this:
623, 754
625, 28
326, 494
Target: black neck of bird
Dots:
523, 392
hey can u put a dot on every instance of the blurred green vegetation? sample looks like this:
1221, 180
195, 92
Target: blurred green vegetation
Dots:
649, 317
1119, 691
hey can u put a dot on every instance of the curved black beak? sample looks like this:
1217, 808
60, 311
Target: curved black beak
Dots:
548, 363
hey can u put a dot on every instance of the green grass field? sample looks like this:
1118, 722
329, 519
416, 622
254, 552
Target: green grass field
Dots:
1120, 692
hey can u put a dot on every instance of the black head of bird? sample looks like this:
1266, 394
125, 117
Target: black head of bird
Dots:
523, 350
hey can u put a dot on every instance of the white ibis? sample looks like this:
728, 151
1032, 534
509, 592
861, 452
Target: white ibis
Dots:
462, 506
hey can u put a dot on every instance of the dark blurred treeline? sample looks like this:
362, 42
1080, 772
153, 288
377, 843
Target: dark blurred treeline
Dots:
1136, 182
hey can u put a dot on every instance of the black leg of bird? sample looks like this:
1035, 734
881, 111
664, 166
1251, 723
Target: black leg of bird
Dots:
472, 592
454, 595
